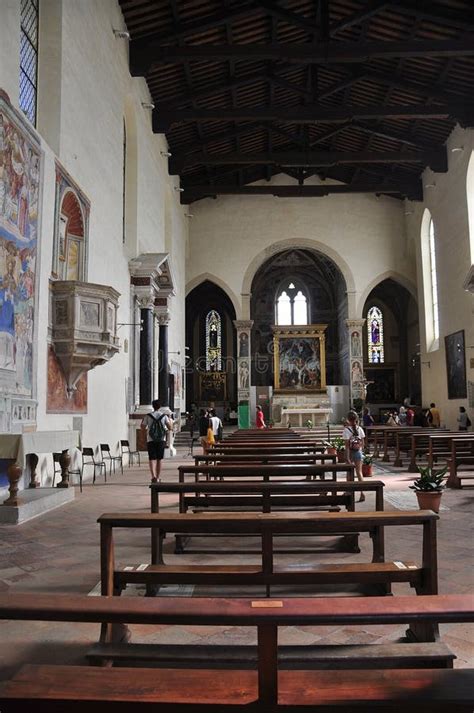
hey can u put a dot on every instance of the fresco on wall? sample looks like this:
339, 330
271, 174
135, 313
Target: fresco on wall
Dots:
57, 398
71, 228
20, 164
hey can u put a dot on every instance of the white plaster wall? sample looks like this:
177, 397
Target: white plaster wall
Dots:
95, 85
447, 203
365, 235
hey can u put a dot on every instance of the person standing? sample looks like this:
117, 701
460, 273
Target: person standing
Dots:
216, 425
463, 419
354, 438
410, 416
259, 420
433, 416
157, 425
204, 424
367, 418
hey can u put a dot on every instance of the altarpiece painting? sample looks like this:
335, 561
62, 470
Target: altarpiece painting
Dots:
300, 358
456, 365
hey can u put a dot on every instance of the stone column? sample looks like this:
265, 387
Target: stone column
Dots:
244, 370
163, 372
356, 359
146, 351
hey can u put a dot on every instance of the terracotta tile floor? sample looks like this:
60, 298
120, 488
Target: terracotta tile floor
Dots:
59, 552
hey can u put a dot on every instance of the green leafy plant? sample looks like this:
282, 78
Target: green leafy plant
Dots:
337, 442
367, 459
430, 480
308, 423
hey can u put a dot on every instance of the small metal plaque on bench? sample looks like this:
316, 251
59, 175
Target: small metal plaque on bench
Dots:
264, 604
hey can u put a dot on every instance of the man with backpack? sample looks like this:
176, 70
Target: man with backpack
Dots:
157, 425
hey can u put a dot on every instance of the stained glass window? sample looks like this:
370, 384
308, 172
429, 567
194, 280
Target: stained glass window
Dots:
375, 335
291, 304
29, 58
213, 342
434, 281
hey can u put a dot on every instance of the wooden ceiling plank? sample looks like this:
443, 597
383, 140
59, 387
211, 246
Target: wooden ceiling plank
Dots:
435, 13
358, 17
288, 16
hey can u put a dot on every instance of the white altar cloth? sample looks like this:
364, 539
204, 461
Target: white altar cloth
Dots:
317, 415
17, 446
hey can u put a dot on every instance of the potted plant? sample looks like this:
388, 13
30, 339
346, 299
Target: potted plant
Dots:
367, 465
331, 448
309, 424
429, 487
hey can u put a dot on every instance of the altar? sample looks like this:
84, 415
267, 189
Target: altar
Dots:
295, 416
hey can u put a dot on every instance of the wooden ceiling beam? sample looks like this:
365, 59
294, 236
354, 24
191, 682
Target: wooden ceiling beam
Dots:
429, 11
412, 190
144, 53
163, 120
288, 16
372, 8
436, 160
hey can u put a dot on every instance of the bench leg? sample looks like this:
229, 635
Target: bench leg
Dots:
350, 543
181, 541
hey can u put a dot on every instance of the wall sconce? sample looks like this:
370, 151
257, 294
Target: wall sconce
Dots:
409, 212
189, 215
430, 185
148, 105
166, 154
122, 34
178, 189
455, 149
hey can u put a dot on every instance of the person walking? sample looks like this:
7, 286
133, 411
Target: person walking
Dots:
216, 425
354, 438
260, 420
157, 425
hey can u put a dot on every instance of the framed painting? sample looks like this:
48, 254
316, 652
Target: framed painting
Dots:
212, 386
456, 365
300, 358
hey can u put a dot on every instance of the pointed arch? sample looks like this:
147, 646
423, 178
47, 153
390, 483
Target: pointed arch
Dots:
208, 276
389, 274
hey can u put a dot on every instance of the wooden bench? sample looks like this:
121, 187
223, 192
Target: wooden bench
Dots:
268, 686
264, 497
266, 471
377, 575
295, 459
459, 461
439, 445
257, 448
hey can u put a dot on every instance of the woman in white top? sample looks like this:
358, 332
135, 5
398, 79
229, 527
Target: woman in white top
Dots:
354, 437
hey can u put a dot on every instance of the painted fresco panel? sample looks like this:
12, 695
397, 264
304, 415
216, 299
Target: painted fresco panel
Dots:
20, 166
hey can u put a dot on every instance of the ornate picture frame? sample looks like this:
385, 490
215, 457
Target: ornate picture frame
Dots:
299, 355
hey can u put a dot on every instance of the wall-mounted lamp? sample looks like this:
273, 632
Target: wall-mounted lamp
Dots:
166, 154
189, 215
178, 189
148, 105
122, 34
178, 352
430, 185
409, 212
455, 149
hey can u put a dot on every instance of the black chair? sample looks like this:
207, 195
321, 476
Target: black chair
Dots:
125, 448
89, 453
106, 455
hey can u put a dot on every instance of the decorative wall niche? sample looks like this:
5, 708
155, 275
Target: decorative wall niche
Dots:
71, 229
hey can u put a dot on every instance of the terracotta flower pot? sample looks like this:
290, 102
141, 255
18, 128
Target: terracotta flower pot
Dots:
429, 501
331, 451
341, 456
367, 470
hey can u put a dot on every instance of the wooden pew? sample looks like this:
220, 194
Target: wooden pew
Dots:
237, 457
268, 470
439, 445
268, 525
75, 688
459, 461
266, 497
283, 448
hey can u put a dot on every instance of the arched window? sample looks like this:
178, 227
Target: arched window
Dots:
29, 58
470, 204
291, 304
375, 336
430, 282
213, 342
